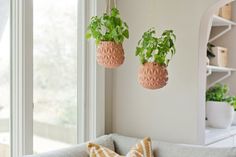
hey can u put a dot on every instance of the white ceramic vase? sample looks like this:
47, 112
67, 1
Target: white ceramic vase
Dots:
219, 114
234, 120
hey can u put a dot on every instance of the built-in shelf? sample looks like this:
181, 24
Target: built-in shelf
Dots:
211, 69
214, 135
219, 21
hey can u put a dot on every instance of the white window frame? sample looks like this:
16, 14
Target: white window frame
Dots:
21, 77
91, 84
93, 81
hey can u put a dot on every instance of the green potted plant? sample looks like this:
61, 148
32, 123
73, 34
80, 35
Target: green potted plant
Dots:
109, 31
155, 54
219, 106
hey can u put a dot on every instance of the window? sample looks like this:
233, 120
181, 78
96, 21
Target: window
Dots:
55, 74
53, 94
4, 79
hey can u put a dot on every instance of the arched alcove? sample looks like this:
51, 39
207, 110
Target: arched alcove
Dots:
204, 33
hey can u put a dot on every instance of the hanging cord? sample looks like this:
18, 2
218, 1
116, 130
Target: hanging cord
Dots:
115, 3
110, 5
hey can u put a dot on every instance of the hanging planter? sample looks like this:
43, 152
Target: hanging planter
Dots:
152, 75
110, 54
155, 54
109, 31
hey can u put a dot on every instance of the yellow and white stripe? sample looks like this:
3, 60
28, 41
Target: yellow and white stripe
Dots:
142, 149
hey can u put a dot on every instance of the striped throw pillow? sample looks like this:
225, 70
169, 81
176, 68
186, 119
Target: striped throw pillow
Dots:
141, 149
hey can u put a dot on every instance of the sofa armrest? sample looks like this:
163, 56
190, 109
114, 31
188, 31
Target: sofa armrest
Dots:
75, 151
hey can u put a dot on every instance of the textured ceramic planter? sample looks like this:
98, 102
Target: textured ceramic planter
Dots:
110, 54
219, 114
152, 75
234, 120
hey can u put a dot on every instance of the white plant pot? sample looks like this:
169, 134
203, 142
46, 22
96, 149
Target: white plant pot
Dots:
234, 120
219, 114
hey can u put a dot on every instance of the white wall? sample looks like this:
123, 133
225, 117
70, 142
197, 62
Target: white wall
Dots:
172, 113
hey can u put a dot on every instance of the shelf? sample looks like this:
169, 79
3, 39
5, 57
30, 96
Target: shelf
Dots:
213, 68
219, 21
213, 135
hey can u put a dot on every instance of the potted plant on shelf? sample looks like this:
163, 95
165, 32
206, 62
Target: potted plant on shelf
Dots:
219, 106
155, 54
109, 31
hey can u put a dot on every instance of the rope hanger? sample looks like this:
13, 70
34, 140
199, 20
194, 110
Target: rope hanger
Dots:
110, 4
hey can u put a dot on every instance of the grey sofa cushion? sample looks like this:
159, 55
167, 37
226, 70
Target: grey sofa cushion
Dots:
123, 144
163, 149
79, 150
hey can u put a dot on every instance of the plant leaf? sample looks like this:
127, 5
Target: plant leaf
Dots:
108, 27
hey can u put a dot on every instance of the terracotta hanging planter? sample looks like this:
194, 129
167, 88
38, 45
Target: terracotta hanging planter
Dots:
152, 75
110, 54
155, 54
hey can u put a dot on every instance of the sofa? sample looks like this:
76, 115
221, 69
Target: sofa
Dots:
122, 144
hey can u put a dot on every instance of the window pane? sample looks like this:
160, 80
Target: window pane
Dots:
4, 79
55, 74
